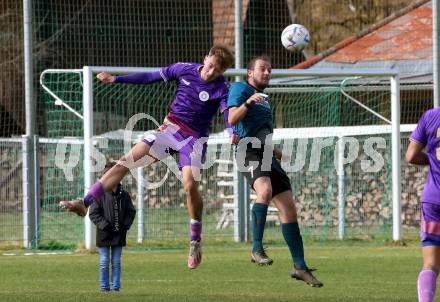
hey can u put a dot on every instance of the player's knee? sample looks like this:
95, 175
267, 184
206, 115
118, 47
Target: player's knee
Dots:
264, 194
123, 159
121, 164
431, 267
190, 186
288, 215
430, 264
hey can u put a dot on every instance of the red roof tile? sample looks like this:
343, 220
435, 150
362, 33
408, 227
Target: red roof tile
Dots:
405, 36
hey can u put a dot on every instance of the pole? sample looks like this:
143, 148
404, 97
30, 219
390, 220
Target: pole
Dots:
29, 195
88, 134
395, 151
140, 203
238, 30
241, 195
37, 192
341, 188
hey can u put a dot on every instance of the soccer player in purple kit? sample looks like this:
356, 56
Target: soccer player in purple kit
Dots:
427, 135
201, 90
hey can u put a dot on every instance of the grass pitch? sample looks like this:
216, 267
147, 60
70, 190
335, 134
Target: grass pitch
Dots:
359, 272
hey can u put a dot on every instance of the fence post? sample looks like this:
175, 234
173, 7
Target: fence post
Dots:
88, 141
28, 192
246, 202
37, 203
140, 204
241, 207
28, 145
396, 154
341, 188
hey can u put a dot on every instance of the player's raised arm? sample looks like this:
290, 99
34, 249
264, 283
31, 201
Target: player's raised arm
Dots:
106, 77
144, 78
166, 74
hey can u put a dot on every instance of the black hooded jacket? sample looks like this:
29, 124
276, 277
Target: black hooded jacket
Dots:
113, 215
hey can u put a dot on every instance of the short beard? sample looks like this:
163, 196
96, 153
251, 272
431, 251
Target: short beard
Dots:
261, 86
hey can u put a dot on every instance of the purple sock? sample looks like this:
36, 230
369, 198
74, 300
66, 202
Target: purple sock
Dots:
426, 284
195, 228
95, 192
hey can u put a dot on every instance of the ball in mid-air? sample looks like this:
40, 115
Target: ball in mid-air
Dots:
295, 37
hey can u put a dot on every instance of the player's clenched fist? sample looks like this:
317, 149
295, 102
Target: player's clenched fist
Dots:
106, 77
256, 98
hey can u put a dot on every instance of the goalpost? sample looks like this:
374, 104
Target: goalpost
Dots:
285, 110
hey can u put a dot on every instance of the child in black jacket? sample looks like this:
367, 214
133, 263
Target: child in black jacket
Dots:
113, 215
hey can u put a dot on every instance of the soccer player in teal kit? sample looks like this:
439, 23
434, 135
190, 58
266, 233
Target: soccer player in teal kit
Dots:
250, 113
201, 91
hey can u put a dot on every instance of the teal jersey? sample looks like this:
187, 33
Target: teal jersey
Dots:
258, 116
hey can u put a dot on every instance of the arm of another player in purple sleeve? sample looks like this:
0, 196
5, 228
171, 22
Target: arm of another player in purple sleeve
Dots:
418, 140
227, 125
140, 78
415, 155
419, 134
234, 136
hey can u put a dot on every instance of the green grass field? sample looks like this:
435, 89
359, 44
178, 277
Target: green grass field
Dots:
351, 272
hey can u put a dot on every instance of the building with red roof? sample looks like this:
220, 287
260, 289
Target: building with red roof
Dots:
404, 41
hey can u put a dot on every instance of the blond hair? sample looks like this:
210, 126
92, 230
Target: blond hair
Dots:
224, 55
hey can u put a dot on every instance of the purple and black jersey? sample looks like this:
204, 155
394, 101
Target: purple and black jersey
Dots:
195, 101
427, 134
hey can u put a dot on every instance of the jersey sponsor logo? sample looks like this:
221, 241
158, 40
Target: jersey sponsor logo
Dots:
185, 82
203, 96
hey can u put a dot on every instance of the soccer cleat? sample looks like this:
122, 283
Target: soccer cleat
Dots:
306, 276
195, 254
260, 257
76, 206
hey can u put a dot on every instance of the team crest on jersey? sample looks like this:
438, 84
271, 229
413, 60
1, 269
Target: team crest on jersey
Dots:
203, 96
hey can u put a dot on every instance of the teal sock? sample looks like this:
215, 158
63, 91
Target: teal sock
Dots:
259, 213
293, 238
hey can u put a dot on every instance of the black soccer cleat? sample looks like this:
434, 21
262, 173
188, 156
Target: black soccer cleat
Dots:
306, 276
260, 257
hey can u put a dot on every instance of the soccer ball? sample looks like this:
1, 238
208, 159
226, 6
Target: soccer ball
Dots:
295, 37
